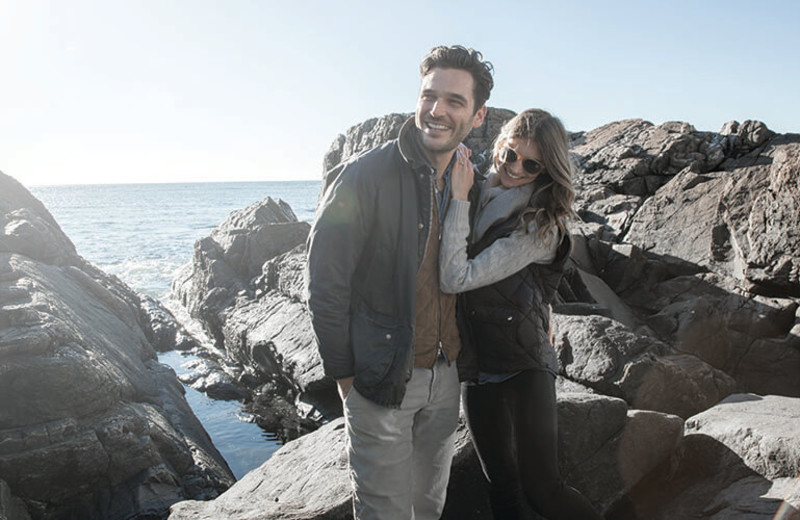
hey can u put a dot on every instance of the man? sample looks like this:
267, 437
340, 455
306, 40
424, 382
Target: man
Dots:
385, 332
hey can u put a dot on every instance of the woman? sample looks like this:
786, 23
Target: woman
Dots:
508, 267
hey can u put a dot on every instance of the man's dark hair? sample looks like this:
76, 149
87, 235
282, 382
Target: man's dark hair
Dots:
464, 58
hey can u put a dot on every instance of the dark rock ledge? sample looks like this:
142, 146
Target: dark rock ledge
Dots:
92, 426
677, 330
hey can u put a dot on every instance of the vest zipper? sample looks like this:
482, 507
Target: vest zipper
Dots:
434, 215
439, 221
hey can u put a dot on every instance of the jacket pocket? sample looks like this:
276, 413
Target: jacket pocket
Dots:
381, 346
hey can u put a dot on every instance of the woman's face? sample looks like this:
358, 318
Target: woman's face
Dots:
518, 162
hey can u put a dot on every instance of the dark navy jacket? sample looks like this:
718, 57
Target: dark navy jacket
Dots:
362, 266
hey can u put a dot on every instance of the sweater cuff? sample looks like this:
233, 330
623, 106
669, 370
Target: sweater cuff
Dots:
460, 209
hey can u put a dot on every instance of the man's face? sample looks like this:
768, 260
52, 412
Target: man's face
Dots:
446, 110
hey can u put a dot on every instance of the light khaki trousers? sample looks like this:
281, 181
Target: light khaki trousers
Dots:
400, 458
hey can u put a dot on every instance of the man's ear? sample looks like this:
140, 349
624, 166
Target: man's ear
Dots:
480, 115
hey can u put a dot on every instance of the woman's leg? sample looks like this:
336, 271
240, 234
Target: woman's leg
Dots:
535, 417
491, 428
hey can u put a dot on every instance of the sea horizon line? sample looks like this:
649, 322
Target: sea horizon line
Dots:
162, 183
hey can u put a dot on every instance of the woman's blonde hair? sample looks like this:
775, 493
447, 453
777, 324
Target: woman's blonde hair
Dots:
553, 195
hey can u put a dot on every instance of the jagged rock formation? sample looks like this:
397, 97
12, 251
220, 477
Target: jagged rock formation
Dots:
245, 285
708, 261
91, 424
683, 292
378, 130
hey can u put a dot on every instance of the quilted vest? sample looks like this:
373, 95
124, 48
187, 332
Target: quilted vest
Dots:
505, 326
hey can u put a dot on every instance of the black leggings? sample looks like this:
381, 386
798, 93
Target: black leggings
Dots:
514, 431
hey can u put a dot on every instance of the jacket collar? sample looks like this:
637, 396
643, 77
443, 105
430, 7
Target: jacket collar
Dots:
410, 147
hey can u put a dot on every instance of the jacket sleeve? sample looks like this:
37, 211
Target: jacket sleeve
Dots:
335, 244
506, 256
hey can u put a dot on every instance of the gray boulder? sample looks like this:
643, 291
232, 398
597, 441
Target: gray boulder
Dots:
768, 445
307, 478
29, 229
605, 450
11, 507
91, 425
738, 460
606, 356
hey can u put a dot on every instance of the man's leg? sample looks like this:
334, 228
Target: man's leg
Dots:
379, 446
434, 435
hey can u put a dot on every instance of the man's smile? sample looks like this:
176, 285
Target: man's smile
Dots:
436, 126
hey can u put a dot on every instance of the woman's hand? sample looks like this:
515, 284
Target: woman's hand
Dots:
461, 176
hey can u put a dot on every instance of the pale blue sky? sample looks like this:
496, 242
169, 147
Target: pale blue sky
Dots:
102, 91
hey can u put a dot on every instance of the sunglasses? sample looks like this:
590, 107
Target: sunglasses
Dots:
531, 166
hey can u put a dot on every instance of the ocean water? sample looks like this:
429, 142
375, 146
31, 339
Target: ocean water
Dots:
143, 233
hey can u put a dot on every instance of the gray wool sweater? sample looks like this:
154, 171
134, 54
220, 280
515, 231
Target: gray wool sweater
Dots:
505, 256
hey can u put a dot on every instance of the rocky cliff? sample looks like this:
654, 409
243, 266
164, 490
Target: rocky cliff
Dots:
92, 426
677, 329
